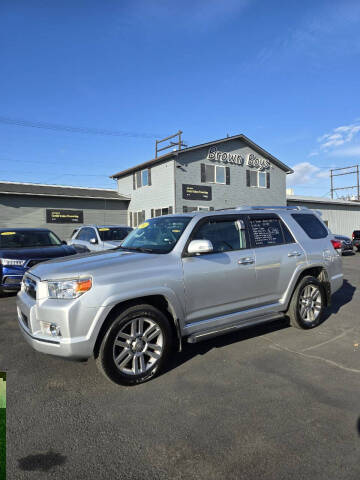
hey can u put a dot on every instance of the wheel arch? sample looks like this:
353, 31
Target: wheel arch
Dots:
318, 272
158, 301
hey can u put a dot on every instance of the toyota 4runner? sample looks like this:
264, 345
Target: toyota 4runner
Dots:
180, 277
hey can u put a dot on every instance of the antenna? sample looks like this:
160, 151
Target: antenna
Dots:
177, 144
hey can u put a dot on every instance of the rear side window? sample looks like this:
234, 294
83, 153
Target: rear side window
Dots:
356, 234
267, 231
311, 225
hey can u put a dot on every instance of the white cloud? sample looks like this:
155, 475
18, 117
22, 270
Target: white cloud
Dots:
338, 136
306, 172
351, 151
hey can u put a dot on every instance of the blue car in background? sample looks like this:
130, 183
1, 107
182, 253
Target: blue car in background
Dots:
22, 248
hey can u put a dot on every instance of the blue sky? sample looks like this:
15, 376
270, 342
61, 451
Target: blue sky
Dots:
284, 73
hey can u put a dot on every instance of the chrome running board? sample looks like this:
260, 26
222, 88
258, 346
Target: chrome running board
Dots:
204, 335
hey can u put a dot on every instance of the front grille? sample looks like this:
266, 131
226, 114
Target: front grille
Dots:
12, 280
30, 287
35, 261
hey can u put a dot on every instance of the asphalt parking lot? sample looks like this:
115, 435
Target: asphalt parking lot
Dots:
271, 403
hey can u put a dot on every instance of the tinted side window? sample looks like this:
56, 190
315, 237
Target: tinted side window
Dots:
311, 225
269, 231
225, 235
86, 234
81, 234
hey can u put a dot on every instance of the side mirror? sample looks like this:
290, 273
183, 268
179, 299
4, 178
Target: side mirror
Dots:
196, 247
93, 241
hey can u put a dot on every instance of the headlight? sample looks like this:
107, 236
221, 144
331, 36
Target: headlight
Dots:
7, 262
69, 288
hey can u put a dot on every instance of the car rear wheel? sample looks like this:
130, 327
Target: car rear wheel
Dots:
136, 345
308, 304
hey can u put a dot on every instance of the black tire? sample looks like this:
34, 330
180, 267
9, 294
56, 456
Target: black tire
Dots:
123, 321
295, 313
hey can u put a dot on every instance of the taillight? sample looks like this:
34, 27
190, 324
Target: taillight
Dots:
353, 235
336, 244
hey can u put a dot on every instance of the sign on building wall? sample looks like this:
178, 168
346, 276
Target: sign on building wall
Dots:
252, 160
64, 216
196, 192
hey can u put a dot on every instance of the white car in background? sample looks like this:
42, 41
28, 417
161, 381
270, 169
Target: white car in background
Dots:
99, 237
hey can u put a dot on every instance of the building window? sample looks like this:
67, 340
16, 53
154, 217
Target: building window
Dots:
188, 209
145, 178
159, 212
219, 174
213, 174
142, 178
255, 178
137, 218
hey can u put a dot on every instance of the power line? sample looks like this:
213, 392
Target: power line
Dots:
72, 129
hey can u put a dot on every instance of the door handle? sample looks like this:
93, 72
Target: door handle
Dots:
294, 254
246, 260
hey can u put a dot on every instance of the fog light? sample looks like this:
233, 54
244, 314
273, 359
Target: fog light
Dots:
50, 329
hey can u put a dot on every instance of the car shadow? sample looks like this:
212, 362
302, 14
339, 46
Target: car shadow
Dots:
189, 351
8, 295
340, 298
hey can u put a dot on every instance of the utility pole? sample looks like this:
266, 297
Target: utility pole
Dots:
179, 144
352, 170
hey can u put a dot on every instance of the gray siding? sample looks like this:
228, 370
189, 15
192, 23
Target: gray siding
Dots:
342, 219
237, 193
160, 194
30, 211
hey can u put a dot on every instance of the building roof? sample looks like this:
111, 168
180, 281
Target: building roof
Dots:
176, 153
306, 199
15, 188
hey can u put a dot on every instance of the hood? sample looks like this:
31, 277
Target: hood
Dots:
112, 243
37, 252
92, 264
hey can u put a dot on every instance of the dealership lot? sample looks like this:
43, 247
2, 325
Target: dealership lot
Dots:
271, 402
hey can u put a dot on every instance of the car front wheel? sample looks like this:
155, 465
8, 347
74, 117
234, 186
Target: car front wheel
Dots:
136, 345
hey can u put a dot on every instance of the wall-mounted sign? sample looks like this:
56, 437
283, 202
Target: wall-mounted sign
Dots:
196, 192
64, 216
226, 157
257, 162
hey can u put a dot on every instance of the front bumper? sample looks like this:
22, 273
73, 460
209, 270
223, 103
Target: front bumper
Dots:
10, 278
78, 325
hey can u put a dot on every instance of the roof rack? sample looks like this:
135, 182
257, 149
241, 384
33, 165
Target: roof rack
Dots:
270, 207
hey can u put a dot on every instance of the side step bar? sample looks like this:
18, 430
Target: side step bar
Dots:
205, 335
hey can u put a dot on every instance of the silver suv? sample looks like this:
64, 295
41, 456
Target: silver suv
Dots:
180, 277
99, 237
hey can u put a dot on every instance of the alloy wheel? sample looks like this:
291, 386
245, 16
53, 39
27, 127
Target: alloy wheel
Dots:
138, 346
310, 303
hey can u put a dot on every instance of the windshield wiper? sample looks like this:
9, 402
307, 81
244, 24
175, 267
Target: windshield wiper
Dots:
137, 249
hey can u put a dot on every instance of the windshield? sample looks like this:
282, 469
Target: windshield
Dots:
23, 239
113, 233
157, 235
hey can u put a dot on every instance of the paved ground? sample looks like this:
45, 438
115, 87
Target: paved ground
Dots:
270, 403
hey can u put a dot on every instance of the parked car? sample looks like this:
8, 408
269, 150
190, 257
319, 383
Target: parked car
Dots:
356, 239
99, 237
181, 277
344, 245
22, 248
